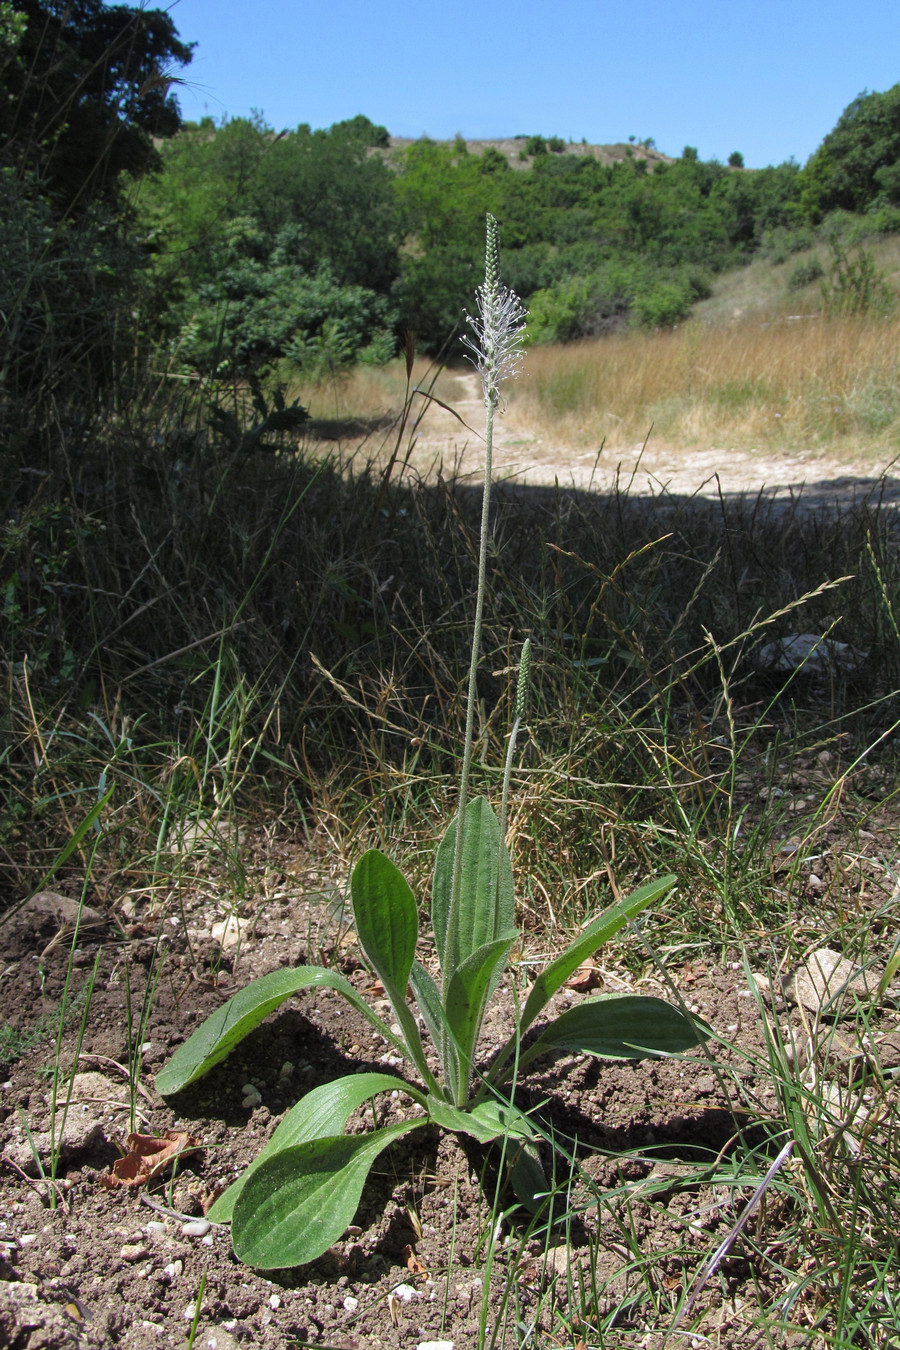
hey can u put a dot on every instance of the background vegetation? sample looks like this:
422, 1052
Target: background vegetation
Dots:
208, 614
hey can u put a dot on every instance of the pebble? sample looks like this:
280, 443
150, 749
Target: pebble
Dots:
133, 1251
174, 1269
405, 1293
435, 1345
351, 1304
196, 1228
274, 1302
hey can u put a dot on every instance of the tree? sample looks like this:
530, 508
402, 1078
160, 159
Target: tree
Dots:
857, 166
87, 88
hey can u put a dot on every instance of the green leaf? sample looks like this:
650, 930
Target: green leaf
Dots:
598, 932
387, 921
228, 1026
621, 1026
486, 894
487, 1121
465, 999
528, 1178
387, 924
321, 1113
300, 1201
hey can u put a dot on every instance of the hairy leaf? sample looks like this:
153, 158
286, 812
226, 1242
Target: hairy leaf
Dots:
486, 896
487, 1121
598, 932
321, 1113
228, 1026
387, 923
621, 1026
300, 1201
465, 998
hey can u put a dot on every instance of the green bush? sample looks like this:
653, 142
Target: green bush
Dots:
855, 285
662, 305
804, 273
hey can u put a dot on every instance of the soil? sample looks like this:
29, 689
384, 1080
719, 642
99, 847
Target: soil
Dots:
104, 1268
815, 476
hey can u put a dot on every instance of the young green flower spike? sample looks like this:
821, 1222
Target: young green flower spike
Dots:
497, 346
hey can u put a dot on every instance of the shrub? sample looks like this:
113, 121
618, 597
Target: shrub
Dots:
662, 305
855, 285
804, 273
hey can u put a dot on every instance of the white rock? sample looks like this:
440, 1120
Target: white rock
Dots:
406, 1293
827, 975
230, 931
816, 654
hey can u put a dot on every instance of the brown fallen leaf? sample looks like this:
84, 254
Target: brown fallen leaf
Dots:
147, 1157
586, 977
413, 1264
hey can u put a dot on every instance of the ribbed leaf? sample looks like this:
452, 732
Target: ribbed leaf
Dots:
387, 924
602, 928
486, 896
321, 1113
300, 1201
487, 1121
621, 1026
465, 998
228, 1026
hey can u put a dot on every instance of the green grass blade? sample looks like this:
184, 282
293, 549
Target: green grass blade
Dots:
301, 1200
321, 1113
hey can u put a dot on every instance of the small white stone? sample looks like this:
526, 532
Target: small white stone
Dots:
196, 1228
406, 1293
274, 1302
350, 1303
287, 1069
435, 1345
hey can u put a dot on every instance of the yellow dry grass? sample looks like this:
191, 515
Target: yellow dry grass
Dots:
801, 382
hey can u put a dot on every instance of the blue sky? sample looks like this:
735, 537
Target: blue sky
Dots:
768, 78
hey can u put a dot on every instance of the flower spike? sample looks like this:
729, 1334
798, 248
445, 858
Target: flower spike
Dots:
499, 327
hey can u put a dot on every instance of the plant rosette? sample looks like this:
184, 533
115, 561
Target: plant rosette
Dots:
300, 1194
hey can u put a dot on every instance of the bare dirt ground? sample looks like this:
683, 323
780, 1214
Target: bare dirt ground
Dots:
522, 455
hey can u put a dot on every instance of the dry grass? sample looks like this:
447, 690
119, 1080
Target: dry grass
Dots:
794, 382
366, 393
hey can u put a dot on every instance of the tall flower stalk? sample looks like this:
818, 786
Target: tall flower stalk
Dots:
496, 347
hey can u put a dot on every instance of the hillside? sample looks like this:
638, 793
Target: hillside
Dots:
515, 149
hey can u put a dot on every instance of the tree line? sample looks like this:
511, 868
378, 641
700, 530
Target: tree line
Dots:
232, 248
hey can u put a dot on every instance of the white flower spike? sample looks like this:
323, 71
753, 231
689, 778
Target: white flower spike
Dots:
496, 349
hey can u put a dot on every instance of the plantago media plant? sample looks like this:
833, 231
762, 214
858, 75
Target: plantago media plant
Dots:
300, 1194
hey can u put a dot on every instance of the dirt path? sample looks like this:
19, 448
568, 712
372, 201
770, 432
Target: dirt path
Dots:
655, 469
